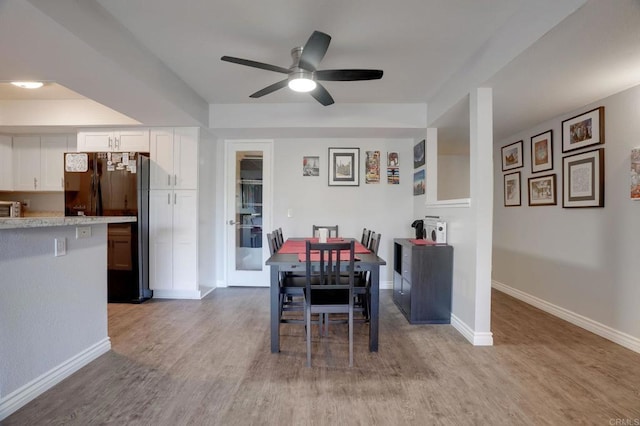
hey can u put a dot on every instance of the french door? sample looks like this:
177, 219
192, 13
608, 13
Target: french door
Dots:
248, 211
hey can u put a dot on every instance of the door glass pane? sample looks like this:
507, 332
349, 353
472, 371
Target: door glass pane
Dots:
249, 211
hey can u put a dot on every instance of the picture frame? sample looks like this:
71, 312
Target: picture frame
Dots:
419, 182
635, 174
542, 190
512, 189
344, 166
310, 166
583, 179
542, 152
583, 130
419, 154
512, 156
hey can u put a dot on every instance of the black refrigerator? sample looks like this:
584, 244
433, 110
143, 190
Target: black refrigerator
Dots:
115, 184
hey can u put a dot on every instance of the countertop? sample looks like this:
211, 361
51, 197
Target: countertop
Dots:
45, 221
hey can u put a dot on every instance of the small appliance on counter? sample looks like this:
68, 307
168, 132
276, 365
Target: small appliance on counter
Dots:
10, 209
115, 184
435, 230
419, 225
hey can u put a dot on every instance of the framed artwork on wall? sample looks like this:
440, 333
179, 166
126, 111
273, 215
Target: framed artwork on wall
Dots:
418, 154
344, 166
419, 184
635, 174
512, 189
542, 190
542, 152
310, 166
583, 179
583, 130
512, 156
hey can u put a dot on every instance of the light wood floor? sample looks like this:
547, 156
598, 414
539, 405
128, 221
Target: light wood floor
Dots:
208, 362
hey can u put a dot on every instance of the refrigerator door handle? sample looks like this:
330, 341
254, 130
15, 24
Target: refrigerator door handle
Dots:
168, 179
168, 198
175, 198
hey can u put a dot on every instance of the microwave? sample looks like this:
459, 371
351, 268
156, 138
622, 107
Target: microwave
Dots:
10, 209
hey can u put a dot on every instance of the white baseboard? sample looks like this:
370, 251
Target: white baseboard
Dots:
595, 327
23, 395
177, 294
205, 290
476, 338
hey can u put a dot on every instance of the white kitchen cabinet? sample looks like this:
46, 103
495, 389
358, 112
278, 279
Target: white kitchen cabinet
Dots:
173, 242
174, 158
128, 140
38, 162
6, 163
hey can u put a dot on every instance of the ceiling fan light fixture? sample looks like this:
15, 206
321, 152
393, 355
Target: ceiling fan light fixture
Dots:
301, 81
28, 84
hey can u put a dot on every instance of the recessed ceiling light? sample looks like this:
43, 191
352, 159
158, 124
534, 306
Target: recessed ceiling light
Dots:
28, 84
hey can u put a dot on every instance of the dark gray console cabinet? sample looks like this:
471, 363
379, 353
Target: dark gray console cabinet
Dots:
422, 281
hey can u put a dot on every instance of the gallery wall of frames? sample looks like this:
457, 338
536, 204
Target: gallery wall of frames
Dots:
582, 175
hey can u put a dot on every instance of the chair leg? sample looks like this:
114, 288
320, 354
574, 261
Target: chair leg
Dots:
308, 318
351, 335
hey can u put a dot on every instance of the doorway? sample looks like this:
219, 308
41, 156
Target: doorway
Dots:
248, 211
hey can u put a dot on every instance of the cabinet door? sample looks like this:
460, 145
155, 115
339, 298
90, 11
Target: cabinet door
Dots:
6, 163
160, 240
161, 175
132, 140
95, 141
52, 149
26, 163
185, 240
185, 161
120, 256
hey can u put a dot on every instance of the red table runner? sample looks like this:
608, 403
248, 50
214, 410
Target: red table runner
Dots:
299, 246
422, 242
315, 256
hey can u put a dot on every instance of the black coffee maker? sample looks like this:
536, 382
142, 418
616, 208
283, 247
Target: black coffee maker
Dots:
419, 225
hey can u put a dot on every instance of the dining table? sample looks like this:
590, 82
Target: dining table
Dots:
290, 258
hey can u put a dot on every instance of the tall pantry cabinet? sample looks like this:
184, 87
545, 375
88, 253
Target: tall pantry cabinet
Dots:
173, 213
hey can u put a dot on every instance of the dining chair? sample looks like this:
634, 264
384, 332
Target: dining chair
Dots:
332, 230
279, 237
363, 284
366, 234
326, 290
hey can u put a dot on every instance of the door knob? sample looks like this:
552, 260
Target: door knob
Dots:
232, 222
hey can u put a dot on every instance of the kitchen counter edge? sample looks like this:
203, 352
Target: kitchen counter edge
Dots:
41, 222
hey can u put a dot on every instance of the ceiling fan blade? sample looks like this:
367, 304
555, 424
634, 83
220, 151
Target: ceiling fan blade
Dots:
322, 95
314, 50
255, 64
270, 89
348, 75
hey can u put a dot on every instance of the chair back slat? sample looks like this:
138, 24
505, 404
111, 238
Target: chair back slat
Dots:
332, 230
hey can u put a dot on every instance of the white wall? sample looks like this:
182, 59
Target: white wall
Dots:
53, 310
385, 208
453, 176
577, 263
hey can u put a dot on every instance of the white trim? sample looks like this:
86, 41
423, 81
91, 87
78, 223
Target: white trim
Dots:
177, 294
446, 204
205, 290
475, 338
588, 324
386, 285
23, 395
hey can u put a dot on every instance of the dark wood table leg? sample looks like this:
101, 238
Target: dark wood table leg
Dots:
375, 309
275, 309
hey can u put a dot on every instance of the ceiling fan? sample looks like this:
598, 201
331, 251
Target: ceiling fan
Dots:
303, 75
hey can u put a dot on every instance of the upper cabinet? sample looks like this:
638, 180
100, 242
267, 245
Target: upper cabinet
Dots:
38, 162
6, 163
129, 140
174, 155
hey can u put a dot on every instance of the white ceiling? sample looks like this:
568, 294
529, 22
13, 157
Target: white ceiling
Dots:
159, 62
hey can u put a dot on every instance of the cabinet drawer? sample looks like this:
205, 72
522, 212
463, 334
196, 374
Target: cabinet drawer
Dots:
119, 229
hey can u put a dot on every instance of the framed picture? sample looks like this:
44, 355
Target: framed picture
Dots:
542, 190
418, 154
344, 166
419, 184
512, 156
310, 166
583, 130
583, 179
635, 174
372, 167
512, 189
542, 152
